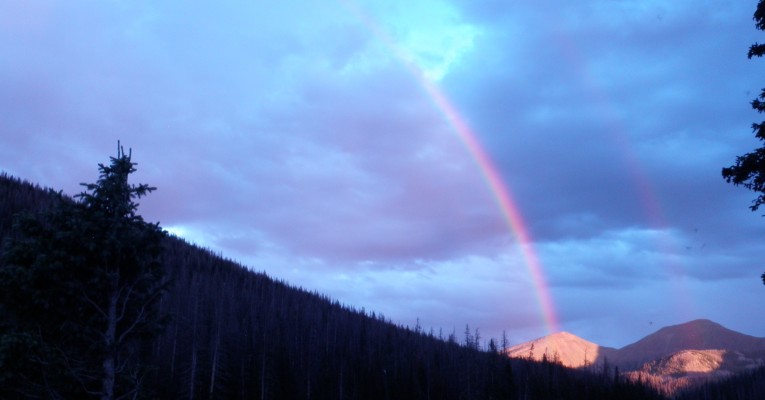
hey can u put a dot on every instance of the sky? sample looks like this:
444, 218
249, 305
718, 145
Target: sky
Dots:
513, 166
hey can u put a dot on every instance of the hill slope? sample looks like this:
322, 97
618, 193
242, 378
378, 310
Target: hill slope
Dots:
238, 334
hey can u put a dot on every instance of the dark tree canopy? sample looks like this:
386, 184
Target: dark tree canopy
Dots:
749, 169
79, 288
238, 334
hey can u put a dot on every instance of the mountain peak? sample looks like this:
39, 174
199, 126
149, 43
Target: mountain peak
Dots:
700, 334
564, 347
701, 323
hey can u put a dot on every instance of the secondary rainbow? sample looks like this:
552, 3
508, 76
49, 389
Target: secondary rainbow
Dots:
646, 193
467, 136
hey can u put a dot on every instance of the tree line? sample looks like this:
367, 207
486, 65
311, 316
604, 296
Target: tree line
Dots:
95, 302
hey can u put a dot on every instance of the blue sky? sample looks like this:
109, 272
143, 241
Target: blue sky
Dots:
297, 138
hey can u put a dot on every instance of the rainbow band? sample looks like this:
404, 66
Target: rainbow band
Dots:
503, 196
492, 175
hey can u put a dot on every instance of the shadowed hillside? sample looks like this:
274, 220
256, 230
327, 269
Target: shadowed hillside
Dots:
237, 334
748, 385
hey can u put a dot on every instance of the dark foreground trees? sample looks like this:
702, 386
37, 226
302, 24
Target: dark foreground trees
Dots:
237, 334
79, 289
749, 385
749, 169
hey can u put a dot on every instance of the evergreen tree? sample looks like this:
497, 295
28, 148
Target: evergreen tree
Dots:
79, 292
749, 169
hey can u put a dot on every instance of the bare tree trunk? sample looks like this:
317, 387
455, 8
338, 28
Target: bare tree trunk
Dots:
263, 376
172, 357
214, 366
193, 371
109, 363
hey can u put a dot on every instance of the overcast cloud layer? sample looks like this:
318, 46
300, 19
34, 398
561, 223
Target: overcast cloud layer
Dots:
297, 138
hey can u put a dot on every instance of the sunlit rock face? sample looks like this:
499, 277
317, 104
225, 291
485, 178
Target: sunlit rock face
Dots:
565, 348
695, 362
687, 361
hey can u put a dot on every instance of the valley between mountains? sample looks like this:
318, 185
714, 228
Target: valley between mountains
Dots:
672, 358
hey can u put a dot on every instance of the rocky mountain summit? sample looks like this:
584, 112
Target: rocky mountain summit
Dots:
563, 347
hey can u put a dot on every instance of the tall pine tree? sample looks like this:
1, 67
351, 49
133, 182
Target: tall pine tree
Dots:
79, 292
749, 169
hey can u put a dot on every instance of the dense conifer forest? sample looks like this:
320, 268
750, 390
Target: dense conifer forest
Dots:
748, 385
231, 333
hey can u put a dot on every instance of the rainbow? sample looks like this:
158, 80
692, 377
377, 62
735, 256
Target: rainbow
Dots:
491, 174
645, 191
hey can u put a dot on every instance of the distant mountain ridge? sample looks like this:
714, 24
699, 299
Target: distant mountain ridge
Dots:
671, 359
700, 334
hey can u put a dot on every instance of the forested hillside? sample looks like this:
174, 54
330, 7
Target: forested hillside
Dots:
748, 385
232, 333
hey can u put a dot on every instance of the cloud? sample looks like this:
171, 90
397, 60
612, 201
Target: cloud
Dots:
601, 116
296, 138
